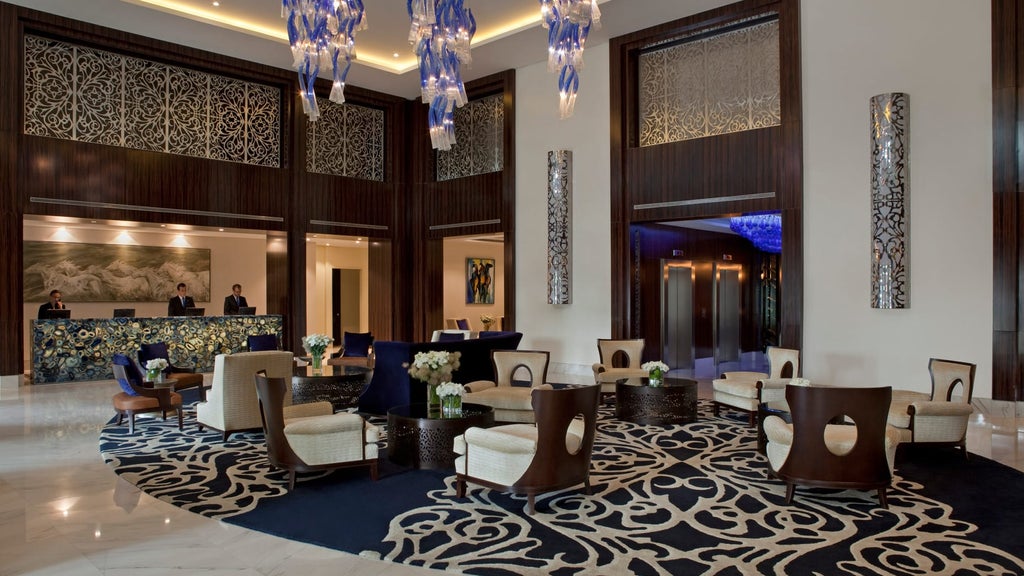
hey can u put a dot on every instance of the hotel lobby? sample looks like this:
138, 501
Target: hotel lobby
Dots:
67, 512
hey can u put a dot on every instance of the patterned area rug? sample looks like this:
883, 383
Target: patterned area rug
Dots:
689, 499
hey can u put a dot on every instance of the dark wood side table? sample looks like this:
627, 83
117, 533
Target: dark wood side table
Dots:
674, 402
420, 440
339, 385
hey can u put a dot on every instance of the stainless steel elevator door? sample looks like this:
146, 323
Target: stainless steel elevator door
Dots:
727, 313
678, 278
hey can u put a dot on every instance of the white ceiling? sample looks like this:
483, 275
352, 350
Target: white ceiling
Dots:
509, 34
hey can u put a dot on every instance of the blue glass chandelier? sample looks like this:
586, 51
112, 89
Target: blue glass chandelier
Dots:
322, 32
568, 23
441, 33
763, 230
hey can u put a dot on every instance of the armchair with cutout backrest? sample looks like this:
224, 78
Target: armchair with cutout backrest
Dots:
185, 376
320, 440
134, 398
814, 452
620, 360
533, 459
512, 403
746, 390
941, 417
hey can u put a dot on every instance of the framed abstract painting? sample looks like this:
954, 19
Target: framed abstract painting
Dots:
479, 280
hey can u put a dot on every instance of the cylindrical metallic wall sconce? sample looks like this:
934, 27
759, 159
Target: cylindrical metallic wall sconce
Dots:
559, 227
890, 201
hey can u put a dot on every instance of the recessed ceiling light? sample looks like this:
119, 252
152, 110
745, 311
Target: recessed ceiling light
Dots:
215, 4
395, 55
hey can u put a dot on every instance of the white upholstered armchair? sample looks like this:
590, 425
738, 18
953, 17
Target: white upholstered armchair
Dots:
620, 360
745, 390
231, 404
939, 418
511, 403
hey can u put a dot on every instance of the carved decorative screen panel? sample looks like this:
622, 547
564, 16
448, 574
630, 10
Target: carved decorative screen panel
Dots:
78, 93
347, 140
479, 140
719, 84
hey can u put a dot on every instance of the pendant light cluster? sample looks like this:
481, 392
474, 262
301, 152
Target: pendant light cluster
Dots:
321, 33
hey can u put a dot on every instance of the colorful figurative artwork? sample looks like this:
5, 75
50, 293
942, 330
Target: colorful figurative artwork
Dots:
479, 280
114, 273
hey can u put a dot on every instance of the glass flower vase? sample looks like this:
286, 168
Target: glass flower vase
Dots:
433, 400
655, 379
451, 406
318, 363
154, 375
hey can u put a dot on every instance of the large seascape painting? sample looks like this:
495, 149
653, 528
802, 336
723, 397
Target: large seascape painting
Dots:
114, 273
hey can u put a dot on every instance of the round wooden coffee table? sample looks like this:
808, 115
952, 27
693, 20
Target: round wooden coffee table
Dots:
420, 440
674, 402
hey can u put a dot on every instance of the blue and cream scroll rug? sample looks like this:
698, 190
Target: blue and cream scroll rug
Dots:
689, 499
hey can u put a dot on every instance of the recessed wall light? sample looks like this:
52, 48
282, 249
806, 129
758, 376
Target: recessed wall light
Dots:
220, 229
163, 225
395, 55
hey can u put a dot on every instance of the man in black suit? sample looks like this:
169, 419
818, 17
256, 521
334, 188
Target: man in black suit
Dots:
235, 301
176, 305
54, 303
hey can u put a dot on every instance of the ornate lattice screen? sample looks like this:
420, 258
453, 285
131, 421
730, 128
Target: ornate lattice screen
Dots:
78, 93
710, 85
347, 140
479, 140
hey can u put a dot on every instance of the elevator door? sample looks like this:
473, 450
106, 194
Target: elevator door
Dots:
727, 313
678, 278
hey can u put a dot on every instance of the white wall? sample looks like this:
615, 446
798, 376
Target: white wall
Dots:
938, 52
234, 258
456, 250
569, 331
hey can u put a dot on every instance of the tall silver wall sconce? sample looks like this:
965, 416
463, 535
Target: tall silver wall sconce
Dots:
890, 201
560, 227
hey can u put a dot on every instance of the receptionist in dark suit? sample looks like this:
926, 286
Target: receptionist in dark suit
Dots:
235, 301
176, 305
54, 303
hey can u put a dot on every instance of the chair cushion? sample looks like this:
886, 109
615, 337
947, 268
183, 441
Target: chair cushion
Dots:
126, 387
462, 323
326, 424
613, 374
137, 403
450, 336
357, 343
130, 368
504, 398
737, 387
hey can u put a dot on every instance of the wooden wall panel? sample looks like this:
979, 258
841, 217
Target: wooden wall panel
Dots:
755, 162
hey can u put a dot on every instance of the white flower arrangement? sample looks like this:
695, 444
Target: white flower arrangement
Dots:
156, 364
487, 319
435, 366
316, 344
654, 365
450, 389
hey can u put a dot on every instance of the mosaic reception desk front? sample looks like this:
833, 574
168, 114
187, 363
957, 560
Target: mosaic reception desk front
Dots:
72, 349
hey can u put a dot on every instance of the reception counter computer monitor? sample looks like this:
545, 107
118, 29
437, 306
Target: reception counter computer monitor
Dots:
62, 313
247, 310
195, 311
124, 312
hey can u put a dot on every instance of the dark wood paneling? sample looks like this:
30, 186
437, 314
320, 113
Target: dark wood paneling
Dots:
667, 172
381, 286
753, 162
1007, 146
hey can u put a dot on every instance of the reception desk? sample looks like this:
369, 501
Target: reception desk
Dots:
73, 349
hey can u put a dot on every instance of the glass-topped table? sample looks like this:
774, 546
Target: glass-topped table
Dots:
422, 440
339, 385
674, 402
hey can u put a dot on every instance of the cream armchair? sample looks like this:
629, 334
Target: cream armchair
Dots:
620, 360
939, 418
231, 404
318, 440
746, 390
528, 459
511, 403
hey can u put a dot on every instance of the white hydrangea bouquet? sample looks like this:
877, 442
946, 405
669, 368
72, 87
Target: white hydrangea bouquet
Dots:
656, 370
155, 369
315, 345
434, 367
450, 394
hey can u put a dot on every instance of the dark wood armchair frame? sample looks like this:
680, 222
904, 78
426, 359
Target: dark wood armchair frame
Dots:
271, 393
811, 463
553, 467
164, 403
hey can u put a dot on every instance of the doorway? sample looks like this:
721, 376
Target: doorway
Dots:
345, 296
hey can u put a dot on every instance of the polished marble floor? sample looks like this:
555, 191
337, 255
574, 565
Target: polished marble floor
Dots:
63, 511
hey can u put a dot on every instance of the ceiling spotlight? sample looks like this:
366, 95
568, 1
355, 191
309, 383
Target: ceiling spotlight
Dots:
395, 55
220, 229
215, 3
